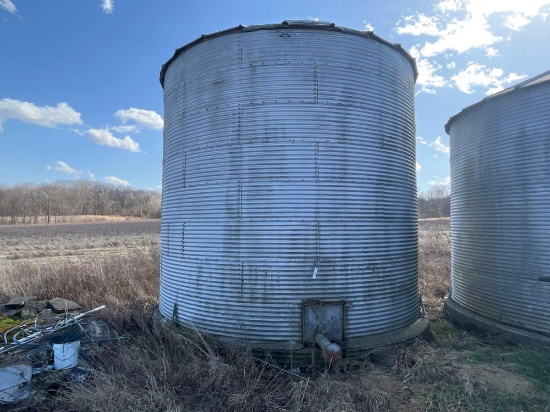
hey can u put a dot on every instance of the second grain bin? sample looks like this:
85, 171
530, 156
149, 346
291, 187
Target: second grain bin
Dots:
289, 188
500, 208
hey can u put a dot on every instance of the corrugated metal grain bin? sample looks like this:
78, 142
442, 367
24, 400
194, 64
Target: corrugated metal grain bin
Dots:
500, 208
289, 187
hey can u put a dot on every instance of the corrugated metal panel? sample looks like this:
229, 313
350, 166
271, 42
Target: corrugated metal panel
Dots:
500, 226
533, 81
285, 149
294, 24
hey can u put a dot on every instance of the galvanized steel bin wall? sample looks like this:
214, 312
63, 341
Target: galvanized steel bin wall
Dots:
500, 206
289, 175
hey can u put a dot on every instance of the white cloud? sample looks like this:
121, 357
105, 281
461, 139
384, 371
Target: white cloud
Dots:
421, 140
368, 25
414, 52
116, 181
105, 138
419, 25
108, 6
313, 18
516, 21
418, 167
428, 76
441, 182
63, 167
515, 14
147, 118
476, 74
460, 36
438, 145
449, 5
8, 6
455, 27
125, 128
462, 25
46, 116
491, 52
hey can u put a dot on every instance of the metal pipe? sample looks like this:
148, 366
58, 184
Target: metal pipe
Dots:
332, 352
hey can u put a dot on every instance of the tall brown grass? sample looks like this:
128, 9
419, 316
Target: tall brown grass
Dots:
123, 283
434, 271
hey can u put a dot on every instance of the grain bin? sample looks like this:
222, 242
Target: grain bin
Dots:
289, 188
500, 208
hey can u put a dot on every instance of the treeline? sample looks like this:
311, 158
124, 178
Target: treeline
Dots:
56, 202
60, 201
434, 203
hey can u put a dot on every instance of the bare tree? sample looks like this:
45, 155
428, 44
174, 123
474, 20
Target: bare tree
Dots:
436, 202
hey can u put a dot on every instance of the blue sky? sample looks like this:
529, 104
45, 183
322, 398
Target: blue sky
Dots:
80, 96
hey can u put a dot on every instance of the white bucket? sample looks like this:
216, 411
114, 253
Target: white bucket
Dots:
65, 355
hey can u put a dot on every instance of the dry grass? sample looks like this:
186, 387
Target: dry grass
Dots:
159, 369
123, 283
74, 242
54, 220
434, 264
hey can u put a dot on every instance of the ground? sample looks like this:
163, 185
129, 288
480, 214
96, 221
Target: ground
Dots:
157, 368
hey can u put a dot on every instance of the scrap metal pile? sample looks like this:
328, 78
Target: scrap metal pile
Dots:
40, 342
